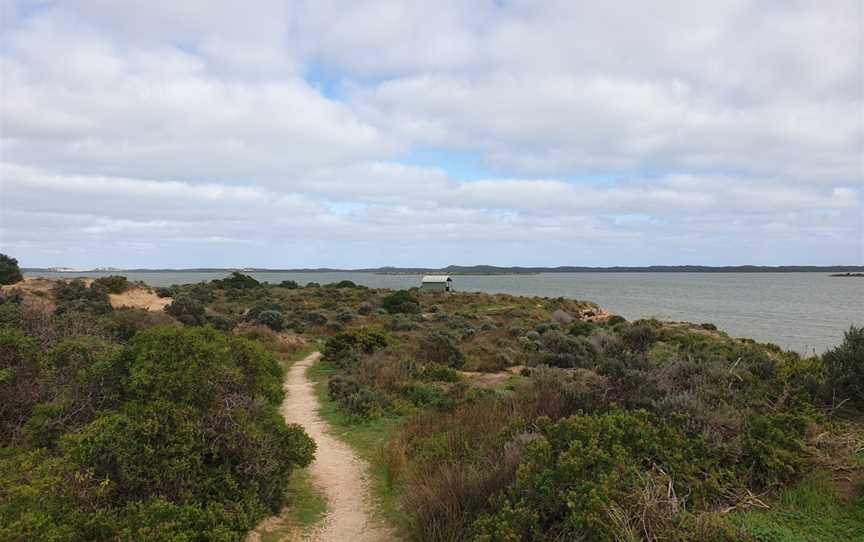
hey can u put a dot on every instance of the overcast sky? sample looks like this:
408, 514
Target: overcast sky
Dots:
321, 133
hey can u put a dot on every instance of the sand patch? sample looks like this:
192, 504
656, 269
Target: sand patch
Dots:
138, 297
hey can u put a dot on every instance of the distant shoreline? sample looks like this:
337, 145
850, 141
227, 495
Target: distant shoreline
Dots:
488, 270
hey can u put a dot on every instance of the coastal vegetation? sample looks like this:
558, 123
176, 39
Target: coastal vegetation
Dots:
483, 417
10, 273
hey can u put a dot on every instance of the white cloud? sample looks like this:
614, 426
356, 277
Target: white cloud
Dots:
206, 133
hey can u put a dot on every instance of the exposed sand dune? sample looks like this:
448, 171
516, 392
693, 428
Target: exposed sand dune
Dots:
37, 294
138, 297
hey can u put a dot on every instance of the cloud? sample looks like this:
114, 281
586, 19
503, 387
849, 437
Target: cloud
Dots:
208, 133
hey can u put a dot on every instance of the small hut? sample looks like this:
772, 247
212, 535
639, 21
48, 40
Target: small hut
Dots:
437, 283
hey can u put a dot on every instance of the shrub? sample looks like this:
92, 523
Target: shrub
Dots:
439, 373
365, 308
614, 320
275, 320
401, 302
440, 347
845, 366
238, 281
258, 308
312, 285
566, 351
164, 292
773, 448
113, 284
76, 296
316, 318
638, 337
20, 386
221, 322
124, 323
289, 284
342, 284
581, 467
346, 348
10, 273
580, 328
345, 316
187, 310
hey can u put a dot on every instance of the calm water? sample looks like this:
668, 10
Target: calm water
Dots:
798, 311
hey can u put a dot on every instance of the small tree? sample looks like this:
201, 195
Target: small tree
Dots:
10, 273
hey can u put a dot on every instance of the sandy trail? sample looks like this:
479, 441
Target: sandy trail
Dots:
337, 470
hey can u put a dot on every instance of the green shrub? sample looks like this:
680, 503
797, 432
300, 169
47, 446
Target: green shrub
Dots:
614, 320
580, 328
258, 308
221, 322
638, 337
164, 292
345, 316
345, 348
437, 372
440, 347
289, 284
10, 273
237, 281
113, 284
187, 310
20, 385
578, 470
401, 302
845, 366
76, 297
773, 448
316, 318
275, 320
566, 351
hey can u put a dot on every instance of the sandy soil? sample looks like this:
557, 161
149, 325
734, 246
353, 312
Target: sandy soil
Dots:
37, 294
139, 298
337, 470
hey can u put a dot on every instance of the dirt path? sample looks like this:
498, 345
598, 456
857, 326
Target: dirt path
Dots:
337, 470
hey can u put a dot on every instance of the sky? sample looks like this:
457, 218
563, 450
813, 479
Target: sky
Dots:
284, 134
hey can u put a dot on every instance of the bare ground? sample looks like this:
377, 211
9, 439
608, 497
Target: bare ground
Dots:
337, 470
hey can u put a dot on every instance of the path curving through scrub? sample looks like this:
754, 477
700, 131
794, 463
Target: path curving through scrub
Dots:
336, 470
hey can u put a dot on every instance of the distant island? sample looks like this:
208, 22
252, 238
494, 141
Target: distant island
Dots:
838, 270
848, 275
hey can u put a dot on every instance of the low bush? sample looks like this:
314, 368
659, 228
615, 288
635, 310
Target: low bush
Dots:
845, 367
76, 297
113, 284
174, 436
187, 310
258, 308
401, 302
345, 348
275, 320
237, 281
289, 284
440, 347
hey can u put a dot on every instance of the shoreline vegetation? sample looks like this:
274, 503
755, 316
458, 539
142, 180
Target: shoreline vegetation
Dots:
486, 270
483, 417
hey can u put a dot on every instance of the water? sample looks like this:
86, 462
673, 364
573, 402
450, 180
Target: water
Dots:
804, 312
